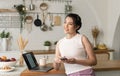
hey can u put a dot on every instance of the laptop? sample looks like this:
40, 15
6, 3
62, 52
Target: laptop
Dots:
32, 64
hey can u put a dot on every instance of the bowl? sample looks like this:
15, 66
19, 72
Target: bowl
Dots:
9, 63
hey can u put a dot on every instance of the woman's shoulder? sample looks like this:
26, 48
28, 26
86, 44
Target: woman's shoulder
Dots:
81, 35
61, 40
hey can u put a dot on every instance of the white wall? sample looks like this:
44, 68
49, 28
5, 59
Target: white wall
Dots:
114, 13
37, 37
103, 13
113, 32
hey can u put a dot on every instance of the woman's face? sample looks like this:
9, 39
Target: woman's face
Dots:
69, 27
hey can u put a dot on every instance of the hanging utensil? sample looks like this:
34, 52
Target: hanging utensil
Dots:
28, 21
57, 20
51, 22
32, 6
38, 22
44, 27
68, 7
43, 6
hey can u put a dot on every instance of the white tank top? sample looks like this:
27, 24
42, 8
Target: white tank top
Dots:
73, 48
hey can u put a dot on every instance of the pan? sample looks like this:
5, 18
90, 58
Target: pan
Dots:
37, 21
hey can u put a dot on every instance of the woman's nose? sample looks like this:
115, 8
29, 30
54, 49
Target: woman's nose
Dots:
66, 25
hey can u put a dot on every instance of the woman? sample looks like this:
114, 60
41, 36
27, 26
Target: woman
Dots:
74, 50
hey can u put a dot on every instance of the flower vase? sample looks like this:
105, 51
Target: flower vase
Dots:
5, 44
21, 60
94, 43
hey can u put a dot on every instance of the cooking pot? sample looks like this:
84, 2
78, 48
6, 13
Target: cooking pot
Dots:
44, 27
37, 21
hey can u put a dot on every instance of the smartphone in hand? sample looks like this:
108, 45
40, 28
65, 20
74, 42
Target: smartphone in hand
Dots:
63, 58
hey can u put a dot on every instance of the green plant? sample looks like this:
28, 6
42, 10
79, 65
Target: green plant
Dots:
21, 9
4, 34
47, 43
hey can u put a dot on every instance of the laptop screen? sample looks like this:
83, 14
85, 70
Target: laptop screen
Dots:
30, 60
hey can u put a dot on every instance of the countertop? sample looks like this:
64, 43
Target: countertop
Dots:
111, 65
16, 72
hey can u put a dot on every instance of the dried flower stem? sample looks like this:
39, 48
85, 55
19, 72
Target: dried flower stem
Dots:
95, 32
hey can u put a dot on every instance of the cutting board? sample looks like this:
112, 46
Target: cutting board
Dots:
57, 20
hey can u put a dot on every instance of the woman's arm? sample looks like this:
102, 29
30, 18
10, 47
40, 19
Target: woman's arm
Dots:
57, 61
91, 60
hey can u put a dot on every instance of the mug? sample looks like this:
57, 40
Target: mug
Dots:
42, 62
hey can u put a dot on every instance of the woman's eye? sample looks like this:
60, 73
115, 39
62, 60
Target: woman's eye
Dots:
70, 24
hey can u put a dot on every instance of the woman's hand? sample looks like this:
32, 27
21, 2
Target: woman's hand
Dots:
57, 63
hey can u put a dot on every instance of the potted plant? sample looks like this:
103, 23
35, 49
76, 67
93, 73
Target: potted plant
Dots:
4, 34
21, 9
5, 38
47, 45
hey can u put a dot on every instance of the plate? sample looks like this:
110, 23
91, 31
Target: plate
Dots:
7, 70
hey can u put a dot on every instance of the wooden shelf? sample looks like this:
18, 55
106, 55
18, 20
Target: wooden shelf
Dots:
37, 52
53, 51
7, 10
103, 51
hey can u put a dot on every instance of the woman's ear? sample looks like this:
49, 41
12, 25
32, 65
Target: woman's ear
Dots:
78, 27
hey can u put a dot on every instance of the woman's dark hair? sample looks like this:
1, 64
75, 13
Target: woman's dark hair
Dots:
76, 20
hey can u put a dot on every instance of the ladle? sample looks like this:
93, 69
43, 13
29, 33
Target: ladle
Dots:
44, 27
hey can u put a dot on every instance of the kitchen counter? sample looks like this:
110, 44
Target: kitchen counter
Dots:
16, 72
51, 72
112, 65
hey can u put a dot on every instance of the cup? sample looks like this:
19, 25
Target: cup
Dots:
42, 62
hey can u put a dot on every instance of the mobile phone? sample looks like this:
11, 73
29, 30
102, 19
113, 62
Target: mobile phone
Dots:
63, 58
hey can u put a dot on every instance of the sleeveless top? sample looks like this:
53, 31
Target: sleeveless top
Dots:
73, 48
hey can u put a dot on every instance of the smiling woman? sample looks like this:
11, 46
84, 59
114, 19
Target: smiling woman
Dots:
74, 50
